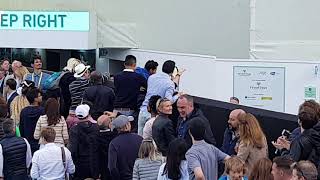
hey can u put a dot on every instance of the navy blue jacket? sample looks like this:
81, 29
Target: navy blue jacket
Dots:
28, 120
128, 87
183, 127
229, 143
295, 134
123, 151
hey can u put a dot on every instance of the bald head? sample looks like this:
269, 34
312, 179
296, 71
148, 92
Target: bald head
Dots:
234, 118
104, 121
15, 65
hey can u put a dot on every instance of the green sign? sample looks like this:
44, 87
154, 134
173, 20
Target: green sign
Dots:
310, 92
44, 20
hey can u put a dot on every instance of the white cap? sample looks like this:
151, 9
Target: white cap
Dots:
82, 111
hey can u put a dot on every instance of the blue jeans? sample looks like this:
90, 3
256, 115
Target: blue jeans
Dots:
142, 119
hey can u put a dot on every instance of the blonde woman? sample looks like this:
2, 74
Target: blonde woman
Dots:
20, 73
146, 167
253, 144
20, 101
54, 120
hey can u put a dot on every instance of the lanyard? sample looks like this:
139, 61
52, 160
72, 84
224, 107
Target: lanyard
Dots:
39, 82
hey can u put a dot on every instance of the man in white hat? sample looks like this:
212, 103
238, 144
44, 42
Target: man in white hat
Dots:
78, 86
84, 146
123, 150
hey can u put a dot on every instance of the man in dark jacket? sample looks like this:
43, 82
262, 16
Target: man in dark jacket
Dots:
102, 97
10, 91
187, 113
4, 71
3, 114
15, 156
307, 145
106, 135
231, 134
84, 145
29, 117
123, 150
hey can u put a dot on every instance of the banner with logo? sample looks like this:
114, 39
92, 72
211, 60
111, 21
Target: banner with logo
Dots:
261, 87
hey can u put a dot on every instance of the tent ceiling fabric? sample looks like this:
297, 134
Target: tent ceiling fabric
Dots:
116, 34
287, 29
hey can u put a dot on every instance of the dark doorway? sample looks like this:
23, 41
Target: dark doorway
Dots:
53, 61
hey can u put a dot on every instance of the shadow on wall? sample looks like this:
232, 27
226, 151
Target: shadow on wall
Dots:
271, 122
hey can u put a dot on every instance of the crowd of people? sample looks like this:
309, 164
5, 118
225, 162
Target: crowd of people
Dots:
78, 124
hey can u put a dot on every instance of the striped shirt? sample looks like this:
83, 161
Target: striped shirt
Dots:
146, 169
60, 128
77, 89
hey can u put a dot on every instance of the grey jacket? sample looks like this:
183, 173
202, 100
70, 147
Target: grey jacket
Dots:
145, 169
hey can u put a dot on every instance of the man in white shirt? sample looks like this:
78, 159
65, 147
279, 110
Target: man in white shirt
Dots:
51, 162
15, 154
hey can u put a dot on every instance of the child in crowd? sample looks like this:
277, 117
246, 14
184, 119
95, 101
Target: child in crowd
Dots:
148, 164
234, 169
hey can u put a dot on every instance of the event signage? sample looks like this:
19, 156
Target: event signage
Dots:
44, 20
310, 92
261, 87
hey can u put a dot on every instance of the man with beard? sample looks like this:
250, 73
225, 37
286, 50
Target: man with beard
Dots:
231, 134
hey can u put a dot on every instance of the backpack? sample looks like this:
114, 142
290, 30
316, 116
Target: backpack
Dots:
53, 81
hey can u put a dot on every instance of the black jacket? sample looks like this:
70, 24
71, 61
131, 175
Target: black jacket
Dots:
1, 129
163, 133
306, 146
84, 149
102, 99
196, 113
105, 137
28, 120
65, 100
14, 156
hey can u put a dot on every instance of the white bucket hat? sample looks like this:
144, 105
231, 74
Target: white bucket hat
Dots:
80, 69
